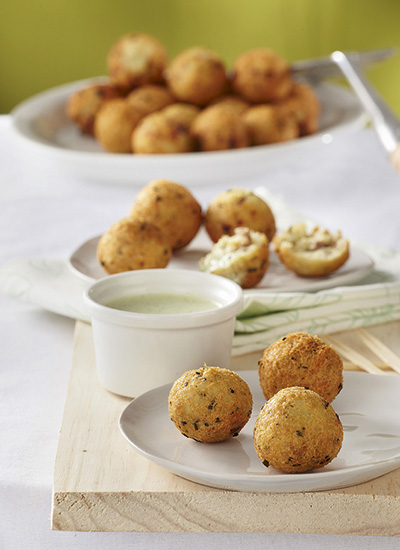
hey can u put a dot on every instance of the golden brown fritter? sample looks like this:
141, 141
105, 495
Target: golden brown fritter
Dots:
304, 105
197, 76
158, 134
261, 75
114, 124
238, 208
232, 101
218, 128
311, 253
268, 124
300, 359
83, 105
172, 208
184, 113
210, 404
132, 244
149, 98
242, 257
297, 431
136, 59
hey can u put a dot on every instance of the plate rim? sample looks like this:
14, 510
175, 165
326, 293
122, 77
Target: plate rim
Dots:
324, 284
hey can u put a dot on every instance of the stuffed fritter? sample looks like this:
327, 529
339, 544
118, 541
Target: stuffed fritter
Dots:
210, 404
171, 207
219, 128
136, 59
83, 105
296, 431
242, 257
196, 75
300, 359
114, 124
132, 244
313, 253
238, 208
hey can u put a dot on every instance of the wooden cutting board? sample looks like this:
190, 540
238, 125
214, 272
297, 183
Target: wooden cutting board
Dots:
102, 484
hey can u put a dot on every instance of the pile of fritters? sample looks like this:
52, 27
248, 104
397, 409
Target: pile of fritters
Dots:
150, 105
166, 217
297, 430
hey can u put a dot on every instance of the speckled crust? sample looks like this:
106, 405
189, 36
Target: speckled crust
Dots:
136, 59
304, 105
210, 404
84, 104
197, 76
132, 244
313, 253
261, 75
243, 257
218, 128
268, 124
297, 431
158, 134
238, 208
114, 124
172, 208
150, 98
300, 359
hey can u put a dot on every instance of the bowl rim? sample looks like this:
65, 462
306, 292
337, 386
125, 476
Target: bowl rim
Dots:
175, 278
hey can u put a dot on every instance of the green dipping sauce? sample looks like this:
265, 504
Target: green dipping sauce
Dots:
162, 303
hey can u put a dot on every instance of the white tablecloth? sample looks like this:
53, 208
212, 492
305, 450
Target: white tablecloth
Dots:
349, 185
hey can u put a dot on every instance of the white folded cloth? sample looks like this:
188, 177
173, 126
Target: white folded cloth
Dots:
52, 285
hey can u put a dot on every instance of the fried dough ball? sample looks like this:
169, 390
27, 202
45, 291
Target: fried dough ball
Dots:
304, 105
197, 76
172, 208
158, 134
232, 101
242, 257
296, 431
84, 104
267, 124
312, 253
210, 404
150, 98
183, 113
261, 75
114, 124
136, 59
218, 128
238, 208
300, 359
132, 244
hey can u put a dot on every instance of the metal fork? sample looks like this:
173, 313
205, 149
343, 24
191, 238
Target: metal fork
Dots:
386, 123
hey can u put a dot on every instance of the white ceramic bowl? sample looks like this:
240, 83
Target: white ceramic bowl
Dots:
136, 352
41, 123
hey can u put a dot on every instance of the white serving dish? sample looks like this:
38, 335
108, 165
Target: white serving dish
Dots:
41, 123
367, 407
136, 352
83, 262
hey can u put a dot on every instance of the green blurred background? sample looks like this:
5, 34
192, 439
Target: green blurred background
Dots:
44, 43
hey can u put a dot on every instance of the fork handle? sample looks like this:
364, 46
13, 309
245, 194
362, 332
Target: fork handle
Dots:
386, 123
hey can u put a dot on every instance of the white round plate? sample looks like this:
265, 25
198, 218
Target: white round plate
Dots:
83, 262
42, 123
367, 407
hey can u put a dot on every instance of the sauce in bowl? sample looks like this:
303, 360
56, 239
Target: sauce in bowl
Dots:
163, 303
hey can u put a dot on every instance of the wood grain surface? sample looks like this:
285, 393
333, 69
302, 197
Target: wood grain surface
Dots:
102, 484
